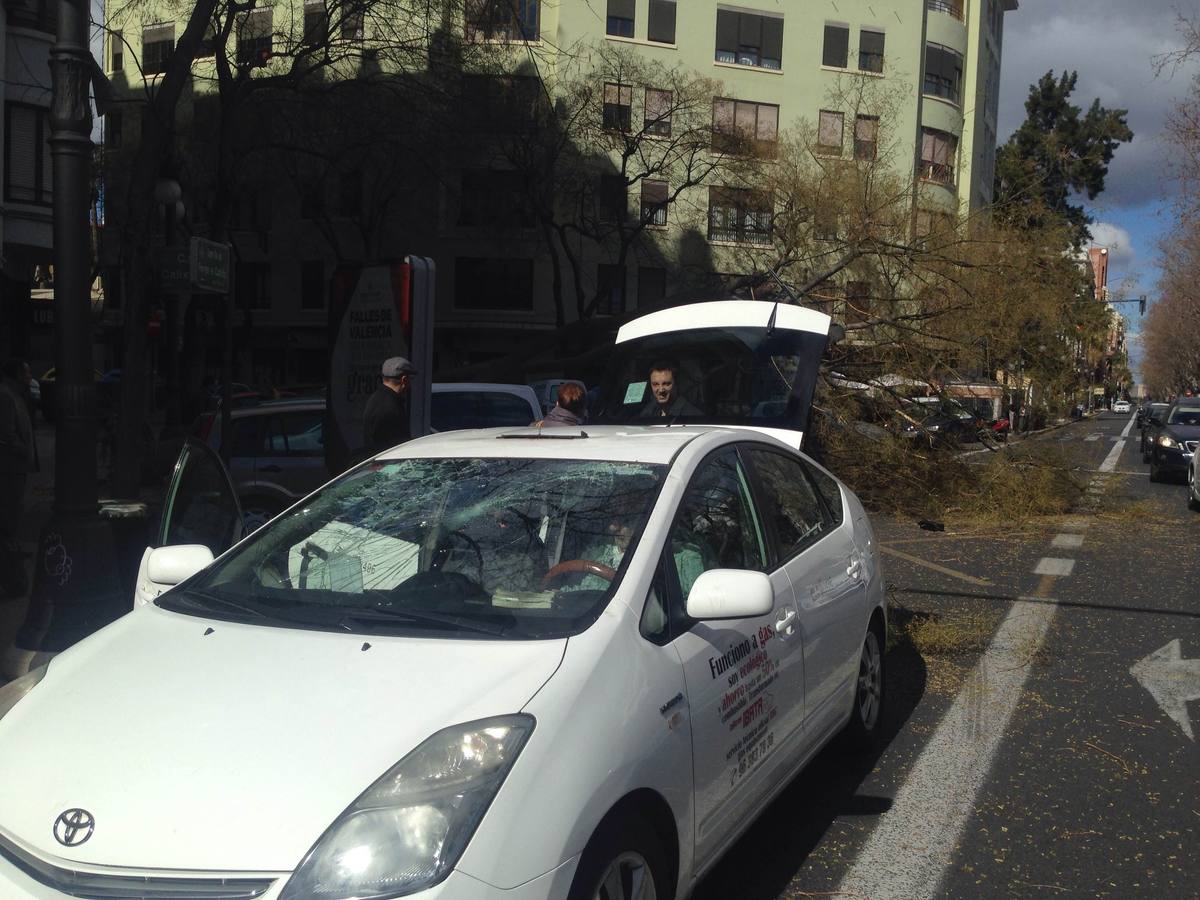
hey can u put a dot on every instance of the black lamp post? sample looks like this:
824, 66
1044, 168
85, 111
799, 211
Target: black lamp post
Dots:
76, 586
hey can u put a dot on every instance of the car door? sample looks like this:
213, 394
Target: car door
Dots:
291, 458
826, 571
200, 507
744, 677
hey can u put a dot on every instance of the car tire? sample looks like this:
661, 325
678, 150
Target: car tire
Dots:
1155, 475
866, 716
1193, 500
257, 512
624, 860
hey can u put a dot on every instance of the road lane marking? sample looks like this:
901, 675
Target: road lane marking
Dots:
1067, 542
1110, 461
1056, 566
1172, 681
913, 844
1093, 437
917, 561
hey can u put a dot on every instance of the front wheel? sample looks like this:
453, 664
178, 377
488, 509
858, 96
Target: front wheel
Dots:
1193, 494
867, 715
256, 513
623, 861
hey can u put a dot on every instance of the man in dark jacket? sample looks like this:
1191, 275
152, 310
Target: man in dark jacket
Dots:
385, 421
17, 460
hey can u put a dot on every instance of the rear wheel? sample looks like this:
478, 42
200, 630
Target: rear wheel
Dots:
867, 715
257, 512
624, 860
1155, 474
1193, 494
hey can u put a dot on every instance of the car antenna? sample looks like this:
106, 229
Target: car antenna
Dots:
787, 290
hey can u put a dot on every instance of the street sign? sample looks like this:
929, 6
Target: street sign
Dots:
209, 266
202, 267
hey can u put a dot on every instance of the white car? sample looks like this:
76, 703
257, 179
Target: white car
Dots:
1121, 406
487, 664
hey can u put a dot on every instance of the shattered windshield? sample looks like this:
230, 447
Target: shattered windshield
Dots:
514, 548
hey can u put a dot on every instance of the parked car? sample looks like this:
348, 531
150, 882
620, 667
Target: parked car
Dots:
277, 453
441, 614
1152, 415
1193, 483
1121, 406
1174, 441
939, 422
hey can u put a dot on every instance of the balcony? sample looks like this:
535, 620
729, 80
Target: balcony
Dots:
950, 7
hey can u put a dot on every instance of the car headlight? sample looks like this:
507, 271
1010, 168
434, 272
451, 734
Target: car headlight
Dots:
933, 427
407, 830
1166, 441
14, 692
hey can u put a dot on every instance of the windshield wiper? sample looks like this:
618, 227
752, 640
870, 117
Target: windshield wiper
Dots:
204, 601
392, 614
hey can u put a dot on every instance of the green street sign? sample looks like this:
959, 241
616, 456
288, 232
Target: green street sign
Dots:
209, 264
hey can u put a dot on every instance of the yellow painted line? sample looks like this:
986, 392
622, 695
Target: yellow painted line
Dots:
917, 561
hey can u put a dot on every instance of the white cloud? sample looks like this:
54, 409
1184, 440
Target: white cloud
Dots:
1121, 252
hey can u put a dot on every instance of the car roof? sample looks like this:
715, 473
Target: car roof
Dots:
268, 406
657, 444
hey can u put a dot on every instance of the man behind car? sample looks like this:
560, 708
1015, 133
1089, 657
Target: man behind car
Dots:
385, 421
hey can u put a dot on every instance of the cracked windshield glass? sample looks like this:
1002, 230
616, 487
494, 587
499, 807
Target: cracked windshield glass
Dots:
524, 548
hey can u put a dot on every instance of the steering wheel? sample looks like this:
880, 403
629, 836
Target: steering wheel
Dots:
582, 566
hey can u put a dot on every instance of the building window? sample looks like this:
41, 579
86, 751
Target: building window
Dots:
743, 127
503, 103
208, 44
116, 52
836, 53
870, 51
655, 198
618, 106
312, 284
830, 128
612, 203
353, 23
493, 284
943, 72
252, 283
493, 199
254, 35
938, 151
157, 43
652, 286
316, 23
112, 129
28, 176
749, 39
661, 26
825, 224
866, 136
739, 215
610, 290
503, 20
659, 105
620, 18
40, 15
858, 302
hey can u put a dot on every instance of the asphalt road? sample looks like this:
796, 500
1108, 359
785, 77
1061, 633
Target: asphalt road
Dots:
1056, 755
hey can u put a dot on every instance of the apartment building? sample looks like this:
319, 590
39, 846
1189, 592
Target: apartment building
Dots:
778, 66
26, 223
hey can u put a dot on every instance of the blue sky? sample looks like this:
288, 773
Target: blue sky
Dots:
1112, 45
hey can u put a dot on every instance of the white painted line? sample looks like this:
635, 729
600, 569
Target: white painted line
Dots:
1093, 437
914, 841
1110, 461
1053, 565
1067, 542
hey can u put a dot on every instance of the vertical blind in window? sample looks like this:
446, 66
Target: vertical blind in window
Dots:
661, 26
870, 51
837, 46
29, 176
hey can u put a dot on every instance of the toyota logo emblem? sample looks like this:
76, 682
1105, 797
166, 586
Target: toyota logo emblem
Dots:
74, 827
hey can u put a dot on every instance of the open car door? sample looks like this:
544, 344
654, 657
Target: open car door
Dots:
741, 363
200, 507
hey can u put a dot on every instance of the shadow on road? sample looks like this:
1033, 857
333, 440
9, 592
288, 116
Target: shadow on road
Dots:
827, 789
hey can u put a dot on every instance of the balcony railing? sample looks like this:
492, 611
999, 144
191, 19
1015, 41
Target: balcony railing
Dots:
952, 7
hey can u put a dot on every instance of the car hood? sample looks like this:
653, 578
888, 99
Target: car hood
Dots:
1182, 432
217, 746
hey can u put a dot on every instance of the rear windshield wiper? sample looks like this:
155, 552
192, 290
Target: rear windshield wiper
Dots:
392, 614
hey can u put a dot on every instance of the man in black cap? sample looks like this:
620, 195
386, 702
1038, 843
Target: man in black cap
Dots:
385, 422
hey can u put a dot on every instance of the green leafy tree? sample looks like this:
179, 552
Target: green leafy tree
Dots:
1058, 153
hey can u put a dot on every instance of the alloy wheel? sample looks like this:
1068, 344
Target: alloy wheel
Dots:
628, 877
870, 681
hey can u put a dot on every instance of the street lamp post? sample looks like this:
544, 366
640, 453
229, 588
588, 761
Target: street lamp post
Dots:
76, 585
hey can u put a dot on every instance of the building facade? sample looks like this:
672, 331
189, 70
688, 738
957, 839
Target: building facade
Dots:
934, 66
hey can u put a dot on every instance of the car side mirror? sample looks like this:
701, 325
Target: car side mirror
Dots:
176, 563
730, 594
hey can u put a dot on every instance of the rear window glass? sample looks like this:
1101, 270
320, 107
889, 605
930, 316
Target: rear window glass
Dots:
1185, 415
452, 410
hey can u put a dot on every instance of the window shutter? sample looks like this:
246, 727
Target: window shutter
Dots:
829, 133
870, 43
772, 38
746, 119
22, 154
866, 128
749, 30
768, 122
837, 46
47, 185
662, 21
654, 192
727, 30
622, 9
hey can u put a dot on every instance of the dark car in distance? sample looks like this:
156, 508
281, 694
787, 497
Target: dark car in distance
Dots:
1174, 440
